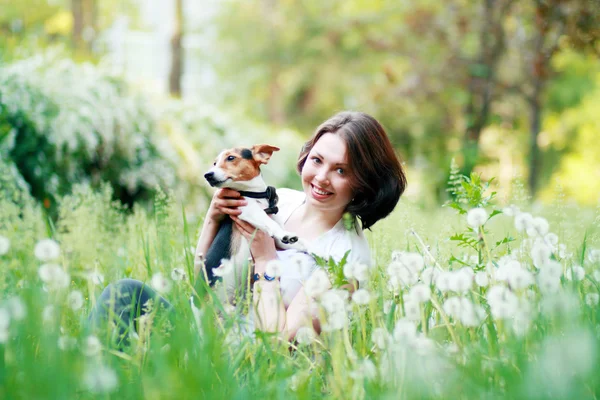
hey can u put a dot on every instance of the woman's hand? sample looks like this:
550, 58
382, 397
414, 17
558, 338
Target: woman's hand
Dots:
262, 246
225, 202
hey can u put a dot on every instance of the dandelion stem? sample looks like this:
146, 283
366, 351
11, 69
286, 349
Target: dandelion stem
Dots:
446, 321
425, 249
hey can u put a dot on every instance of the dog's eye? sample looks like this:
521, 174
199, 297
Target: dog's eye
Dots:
214, 163
230, 158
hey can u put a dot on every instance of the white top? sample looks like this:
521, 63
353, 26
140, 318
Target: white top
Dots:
298, 266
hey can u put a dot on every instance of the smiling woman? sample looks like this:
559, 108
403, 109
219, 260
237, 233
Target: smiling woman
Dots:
348, 166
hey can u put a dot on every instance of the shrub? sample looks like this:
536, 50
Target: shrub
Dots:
62, 123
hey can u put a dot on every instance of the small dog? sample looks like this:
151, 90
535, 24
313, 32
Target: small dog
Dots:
239, 169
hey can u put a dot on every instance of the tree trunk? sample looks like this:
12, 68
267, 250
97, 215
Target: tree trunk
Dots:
78, 23
177, 51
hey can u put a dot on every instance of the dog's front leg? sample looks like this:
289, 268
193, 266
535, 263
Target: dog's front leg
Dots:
253, 214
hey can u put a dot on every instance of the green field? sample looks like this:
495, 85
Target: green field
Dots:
508, 313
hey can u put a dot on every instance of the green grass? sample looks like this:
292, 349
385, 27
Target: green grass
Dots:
554, 354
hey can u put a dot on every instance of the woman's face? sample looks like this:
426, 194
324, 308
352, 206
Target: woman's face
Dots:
325, 176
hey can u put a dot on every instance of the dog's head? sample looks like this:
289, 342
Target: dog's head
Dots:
235, 166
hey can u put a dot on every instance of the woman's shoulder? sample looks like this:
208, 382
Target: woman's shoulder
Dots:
288, 201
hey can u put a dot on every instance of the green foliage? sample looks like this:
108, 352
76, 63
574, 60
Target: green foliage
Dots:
334, 269
467, 191
62, 123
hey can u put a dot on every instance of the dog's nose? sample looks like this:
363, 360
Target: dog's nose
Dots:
210, 177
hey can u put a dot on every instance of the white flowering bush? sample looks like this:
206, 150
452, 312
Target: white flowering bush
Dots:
487, 302
61, 123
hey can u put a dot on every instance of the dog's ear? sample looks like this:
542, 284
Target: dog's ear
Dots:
262, 152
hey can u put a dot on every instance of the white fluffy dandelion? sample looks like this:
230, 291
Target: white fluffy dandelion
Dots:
46, 250
510, 210
66, 343
75, 300
100, 379
575, 273
54, 276
540, 253
160, 283
539, 227
4, 245
91, 346
357, 271
482, 279
317, 284
178, 274
95, 277
523, 221
274, 268
380, 338
305, 335
420, 293
594, 255
4, 318
405, 331
476, 217
17, 308
48, 314
361, 297
592, 299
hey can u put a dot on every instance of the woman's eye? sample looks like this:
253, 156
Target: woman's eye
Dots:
316, 160
230, 158
340, 171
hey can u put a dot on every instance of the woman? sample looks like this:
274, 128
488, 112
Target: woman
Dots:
348, 166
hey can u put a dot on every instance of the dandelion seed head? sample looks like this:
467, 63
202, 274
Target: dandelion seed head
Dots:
46, 250
100, 379
548, 283
357, 271
48, 314
75, 300
4, 335
551, 239
523, 221
17, 308
520, 278
482, 279
420, 293
551, 268
575, 273
476, 217
365, 369
444, 281
361, 297
511, 210
405, 331
66, 343
160, 283
273, 268
412, 309
596, 275
594, 255
591, 299
178, 274
4, 318
429, 275
317, 284
540, 253
387, 306
381, 338
95, 277
539, 227
4, 245
401, 275
91, 346
462, 280
305, 335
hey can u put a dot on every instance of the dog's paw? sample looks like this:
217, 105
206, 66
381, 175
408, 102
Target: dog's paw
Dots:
289, 239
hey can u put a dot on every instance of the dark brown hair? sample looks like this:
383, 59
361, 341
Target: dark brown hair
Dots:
376, 176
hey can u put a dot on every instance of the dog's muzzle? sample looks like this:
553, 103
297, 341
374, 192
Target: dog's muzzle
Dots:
211, 178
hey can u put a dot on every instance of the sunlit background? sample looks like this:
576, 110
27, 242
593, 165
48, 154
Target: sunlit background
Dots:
141, 93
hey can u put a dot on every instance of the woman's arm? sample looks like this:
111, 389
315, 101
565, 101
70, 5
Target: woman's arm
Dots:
224, 202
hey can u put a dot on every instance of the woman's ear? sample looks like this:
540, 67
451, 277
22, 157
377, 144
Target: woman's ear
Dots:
262, 152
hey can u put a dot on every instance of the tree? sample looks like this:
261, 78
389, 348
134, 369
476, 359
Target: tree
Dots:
176, 72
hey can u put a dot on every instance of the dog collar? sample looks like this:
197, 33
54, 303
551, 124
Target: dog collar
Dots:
269, 194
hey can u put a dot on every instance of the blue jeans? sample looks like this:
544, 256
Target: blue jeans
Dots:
124, 302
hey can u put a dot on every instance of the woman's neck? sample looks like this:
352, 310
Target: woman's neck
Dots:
322, 220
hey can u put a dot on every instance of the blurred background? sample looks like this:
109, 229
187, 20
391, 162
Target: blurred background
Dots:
144, 93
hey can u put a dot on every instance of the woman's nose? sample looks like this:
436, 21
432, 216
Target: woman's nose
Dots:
321, 175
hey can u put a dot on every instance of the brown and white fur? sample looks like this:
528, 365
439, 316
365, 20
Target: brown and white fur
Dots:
239, 169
